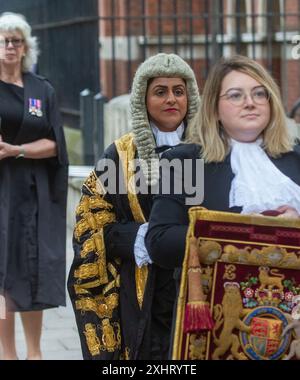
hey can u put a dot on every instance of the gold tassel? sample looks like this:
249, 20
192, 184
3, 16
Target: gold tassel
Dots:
197, 313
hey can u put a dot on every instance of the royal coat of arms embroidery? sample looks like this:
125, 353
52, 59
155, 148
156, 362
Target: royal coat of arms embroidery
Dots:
250, 278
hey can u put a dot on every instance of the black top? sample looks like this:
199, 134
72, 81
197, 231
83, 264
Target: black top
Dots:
168, 221
11, 110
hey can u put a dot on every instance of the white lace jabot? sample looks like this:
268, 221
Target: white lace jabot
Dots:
167, 138
258, 185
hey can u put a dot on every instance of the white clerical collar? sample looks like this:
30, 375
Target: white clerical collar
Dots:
167, 138
258, 185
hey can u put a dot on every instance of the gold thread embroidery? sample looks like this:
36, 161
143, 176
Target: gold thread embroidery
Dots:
197, 346
86, 271
126, 150
209, 251
96, 202
112, 270
92, 340
102, 306
108, 336
87, 247
93, 222
260, 220
112, 284
96, 243
79, 290
229, 272
87, 285
88, 203
99, 241
207, 279
81, 227
103, 277
271, 256
104, 217
140, 279
229, 315
93, 184
199, 213
126, 355
83, 206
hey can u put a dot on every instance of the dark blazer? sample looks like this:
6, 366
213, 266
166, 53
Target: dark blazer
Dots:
168, 221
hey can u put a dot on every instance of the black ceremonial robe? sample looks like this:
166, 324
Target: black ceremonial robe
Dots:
33, 210
122, 312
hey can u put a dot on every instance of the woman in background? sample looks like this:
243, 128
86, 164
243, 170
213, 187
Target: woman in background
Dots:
33, 189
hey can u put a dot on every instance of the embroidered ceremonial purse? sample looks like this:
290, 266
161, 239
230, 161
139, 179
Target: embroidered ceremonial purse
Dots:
250, 280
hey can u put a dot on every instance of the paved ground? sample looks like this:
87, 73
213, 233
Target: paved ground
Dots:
60, 340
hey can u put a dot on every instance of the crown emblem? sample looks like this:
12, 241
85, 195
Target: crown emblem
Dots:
231, 285
269, 288
268, 297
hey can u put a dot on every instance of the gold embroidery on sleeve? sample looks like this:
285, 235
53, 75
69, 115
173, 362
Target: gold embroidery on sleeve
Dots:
108, 336
102, 306
92, 340
93, 222
91, 270
93, 244
93, 184
98, 202
86, 271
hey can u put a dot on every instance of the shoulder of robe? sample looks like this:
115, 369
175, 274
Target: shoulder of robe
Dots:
182, 151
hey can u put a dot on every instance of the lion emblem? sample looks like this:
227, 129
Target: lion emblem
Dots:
229, 314
270, 282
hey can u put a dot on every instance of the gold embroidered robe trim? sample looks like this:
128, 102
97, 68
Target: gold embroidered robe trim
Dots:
93, 270
90, 203
126, 150
126, 354
92, 214
93, 221
79, 290
110, 340
95, 243
112, 284
102, 306
92, 339
93, 184
89, 234
82, 287
116, 279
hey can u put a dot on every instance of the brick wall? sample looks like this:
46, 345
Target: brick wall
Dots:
285, 71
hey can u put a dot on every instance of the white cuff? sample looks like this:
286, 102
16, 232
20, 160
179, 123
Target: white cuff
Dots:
140, 251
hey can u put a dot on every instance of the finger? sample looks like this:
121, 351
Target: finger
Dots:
283, 208
289, 215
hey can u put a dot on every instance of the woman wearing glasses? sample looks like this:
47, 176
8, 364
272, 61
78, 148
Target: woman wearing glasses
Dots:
250, 164
33, 188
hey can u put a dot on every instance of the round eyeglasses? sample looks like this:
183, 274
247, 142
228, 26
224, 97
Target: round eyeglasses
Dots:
237, 97
16, 42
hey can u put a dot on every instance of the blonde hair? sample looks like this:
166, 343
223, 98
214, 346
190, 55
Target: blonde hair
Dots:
10, 22
205, 129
